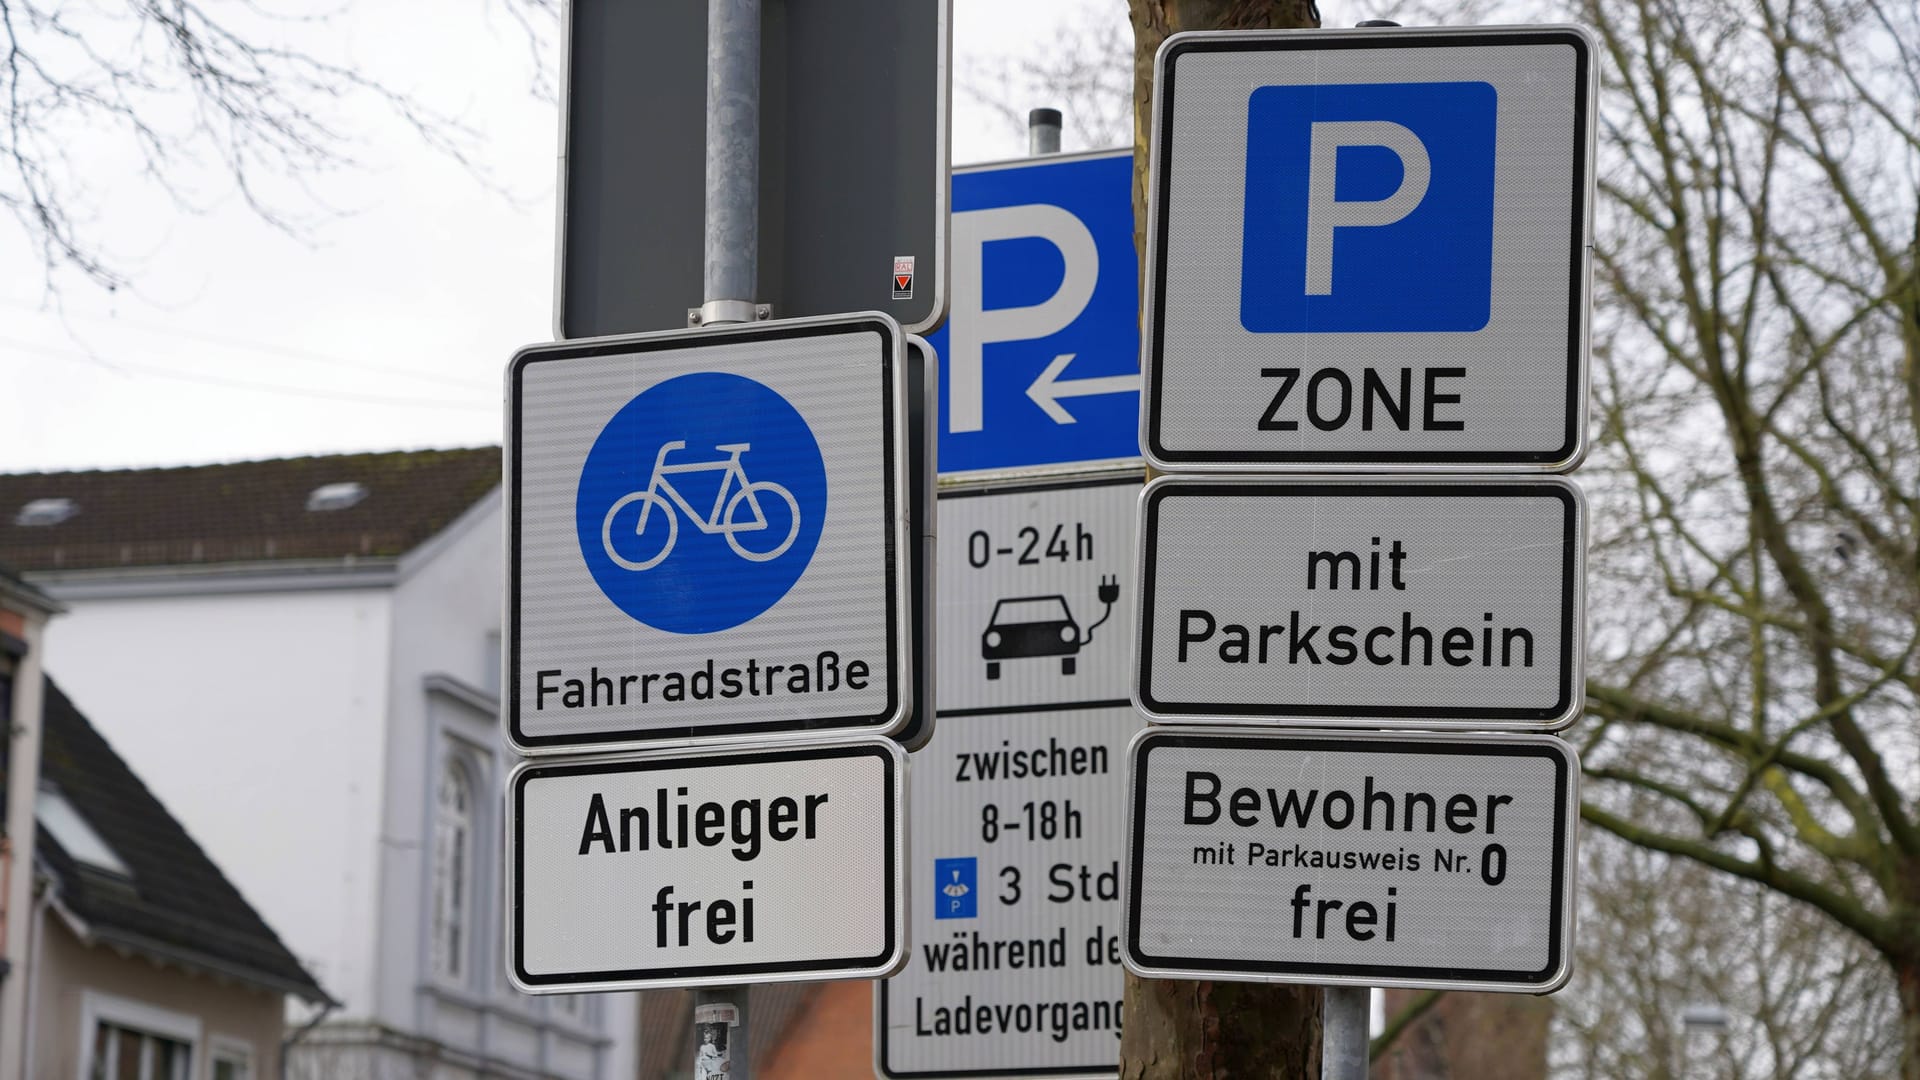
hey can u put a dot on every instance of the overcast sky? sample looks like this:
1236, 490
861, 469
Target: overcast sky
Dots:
384, 323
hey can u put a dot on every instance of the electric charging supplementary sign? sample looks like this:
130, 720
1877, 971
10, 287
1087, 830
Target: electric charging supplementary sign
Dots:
708, 535
1369, 249
1362, 601
1363, 859
1018, 807
658, 870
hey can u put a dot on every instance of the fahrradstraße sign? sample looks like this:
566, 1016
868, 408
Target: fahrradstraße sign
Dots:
707, 536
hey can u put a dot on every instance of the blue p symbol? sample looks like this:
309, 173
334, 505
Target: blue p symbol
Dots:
1369, 208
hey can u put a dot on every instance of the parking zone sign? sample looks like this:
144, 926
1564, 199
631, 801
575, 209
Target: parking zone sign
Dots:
1369, 249
708, 536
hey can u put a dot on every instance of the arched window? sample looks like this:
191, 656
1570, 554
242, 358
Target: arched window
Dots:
452, 872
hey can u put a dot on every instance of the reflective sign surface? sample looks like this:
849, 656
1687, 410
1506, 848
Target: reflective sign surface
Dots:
1365, 859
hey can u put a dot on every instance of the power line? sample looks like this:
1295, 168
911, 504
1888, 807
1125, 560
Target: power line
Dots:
292, 352
244, 384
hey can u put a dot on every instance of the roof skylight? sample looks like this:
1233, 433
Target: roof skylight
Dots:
46, 512
336, 496
62, 821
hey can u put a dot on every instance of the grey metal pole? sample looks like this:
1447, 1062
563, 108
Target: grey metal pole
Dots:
732, 242
1346, 1012
720, 1034
1043, 131
1344, 1015
733, 161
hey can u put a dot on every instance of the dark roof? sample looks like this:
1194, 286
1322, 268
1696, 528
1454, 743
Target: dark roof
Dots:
246, 512
175, 903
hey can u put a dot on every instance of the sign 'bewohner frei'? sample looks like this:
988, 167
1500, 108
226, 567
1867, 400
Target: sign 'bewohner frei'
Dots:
1369, 249
1019, 803
1429, 602
708, 531
669, 869
1366, 858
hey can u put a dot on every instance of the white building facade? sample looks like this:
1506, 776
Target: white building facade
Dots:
326, 725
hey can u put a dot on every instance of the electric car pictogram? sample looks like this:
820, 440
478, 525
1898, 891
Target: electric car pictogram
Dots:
1034, 626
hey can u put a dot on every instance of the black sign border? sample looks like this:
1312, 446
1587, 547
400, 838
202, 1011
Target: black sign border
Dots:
1571, 582
891, 716
1544, 980
680, 976
1562, 456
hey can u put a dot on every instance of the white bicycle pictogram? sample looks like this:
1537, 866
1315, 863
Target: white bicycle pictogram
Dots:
721, 519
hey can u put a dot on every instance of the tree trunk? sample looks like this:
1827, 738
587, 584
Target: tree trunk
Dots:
1181, 1030
1906, 971
1176, 1029
1153, 21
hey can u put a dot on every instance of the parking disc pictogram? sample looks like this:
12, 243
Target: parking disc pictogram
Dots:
709, 536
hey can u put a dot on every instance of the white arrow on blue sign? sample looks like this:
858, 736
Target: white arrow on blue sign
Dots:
1040, 353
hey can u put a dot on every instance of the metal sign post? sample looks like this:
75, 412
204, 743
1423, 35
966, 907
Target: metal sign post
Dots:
732, 241
1345, 1012
732, 251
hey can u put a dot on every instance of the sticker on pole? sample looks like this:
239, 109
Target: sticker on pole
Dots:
708, 536
1370, 249
1363, 859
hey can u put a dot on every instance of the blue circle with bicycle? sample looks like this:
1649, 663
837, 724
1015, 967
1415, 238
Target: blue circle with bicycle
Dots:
701, 503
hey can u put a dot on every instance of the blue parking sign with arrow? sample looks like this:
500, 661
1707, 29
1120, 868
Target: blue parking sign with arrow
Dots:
1040, 355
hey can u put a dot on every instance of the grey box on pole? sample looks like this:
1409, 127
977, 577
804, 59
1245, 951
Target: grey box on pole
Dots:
853, 162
